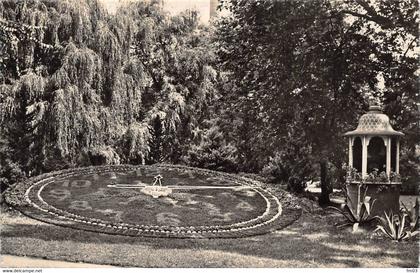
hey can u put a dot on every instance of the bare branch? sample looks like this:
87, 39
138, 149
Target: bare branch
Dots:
370, 15
409, 46
380, 20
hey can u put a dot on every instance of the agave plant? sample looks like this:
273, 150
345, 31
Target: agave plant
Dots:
359, 216
395, 226
412, 214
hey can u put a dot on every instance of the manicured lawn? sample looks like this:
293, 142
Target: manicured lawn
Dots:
312, 241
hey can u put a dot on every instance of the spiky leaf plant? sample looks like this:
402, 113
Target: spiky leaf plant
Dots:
359, 216
395, 227
412, 214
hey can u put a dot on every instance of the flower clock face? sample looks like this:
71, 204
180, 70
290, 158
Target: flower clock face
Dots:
158, 200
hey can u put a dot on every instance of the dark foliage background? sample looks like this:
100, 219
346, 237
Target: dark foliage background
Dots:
268, 89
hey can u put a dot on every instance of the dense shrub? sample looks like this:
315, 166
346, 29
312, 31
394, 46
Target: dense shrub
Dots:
291, 165
212, 152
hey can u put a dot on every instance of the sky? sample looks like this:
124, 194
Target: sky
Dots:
172, 6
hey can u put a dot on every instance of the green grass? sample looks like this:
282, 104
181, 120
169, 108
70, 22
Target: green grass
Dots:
312, 241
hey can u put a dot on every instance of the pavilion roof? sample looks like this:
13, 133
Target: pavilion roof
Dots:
375, 123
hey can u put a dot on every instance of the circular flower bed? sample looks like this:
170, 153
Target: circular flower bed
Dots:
127, 200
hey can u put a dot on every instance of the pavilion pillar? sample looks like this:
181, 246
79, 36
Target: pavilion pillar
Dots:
350, 152
397, 157
364, 156
388, 156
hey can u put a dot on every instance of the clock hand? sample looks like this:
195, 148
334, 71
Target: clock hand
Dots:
175, 187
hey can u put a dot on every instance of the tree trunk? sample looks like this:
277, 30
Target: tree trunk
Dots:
324, 198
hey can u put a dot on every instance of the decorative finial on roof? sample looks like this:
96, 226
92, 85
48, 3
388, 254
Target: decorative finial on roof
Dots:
375, 108
374, 105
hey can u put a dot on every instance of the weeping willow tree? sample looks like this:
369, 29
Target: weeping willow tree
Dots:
175, 55
79, 86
